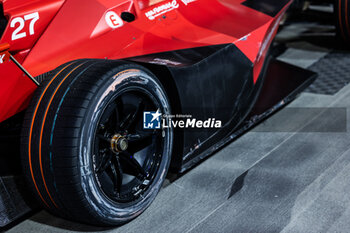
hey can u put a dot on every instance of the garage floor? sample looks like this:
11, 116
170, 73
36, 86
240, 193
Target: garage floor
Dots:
289, 174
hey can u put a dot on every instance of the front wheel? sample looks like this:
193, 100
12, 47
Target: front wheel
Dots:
342, 15
85, 151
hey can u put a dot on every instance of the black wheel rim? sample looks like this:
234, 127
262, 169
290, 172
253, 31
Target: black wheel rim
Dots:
126, 175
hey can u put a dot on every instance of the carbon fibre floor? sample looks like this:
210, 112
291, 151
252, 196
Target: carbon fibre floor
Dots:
272, 179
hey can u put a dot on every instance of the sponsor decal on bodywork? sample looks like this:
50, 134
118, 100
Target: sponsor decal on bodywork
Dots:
113, 20
162, 9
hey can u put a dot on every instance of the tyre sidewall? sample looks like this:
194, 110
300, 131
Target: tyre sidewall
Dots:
118, 80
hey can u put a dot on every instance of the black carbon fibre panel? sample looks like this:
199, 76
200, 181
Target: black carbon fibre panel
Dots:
180, 58
12, 203
333, 73
283, 82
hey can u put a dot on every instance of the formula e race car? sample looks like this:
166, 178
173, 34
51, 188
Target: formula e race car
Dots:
117, 92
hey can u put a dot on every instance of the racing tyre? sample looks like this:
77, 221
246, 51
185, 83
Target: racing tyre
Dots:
342, 12
85, 152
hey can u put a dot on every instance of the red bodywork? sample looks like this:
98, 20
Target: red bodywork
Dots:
58, 31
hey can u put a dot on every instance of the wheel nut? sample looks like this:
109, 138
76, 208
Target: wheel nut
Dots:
119, 143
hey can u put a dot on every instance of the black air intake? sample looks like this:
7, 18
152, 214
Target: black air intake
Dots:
3, 21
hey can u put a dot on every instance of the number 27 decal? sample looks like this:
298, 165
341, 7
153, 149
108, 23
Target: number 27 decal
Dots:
20, 22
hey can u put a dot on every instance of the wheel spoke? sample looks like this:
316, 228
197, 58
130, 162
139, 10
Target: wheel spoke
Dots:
137, 169
125, 122
138, 137
117, 176
108, 120
118, 112
140, 141
130, 120
112, 121
140, 107
106, 159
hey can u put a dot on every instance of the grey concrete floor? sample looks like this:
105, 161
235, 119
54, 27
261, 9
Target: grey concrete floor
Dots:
269, 180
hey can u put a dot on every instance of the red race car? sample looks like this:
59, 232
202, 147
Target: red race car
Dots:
116, 92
